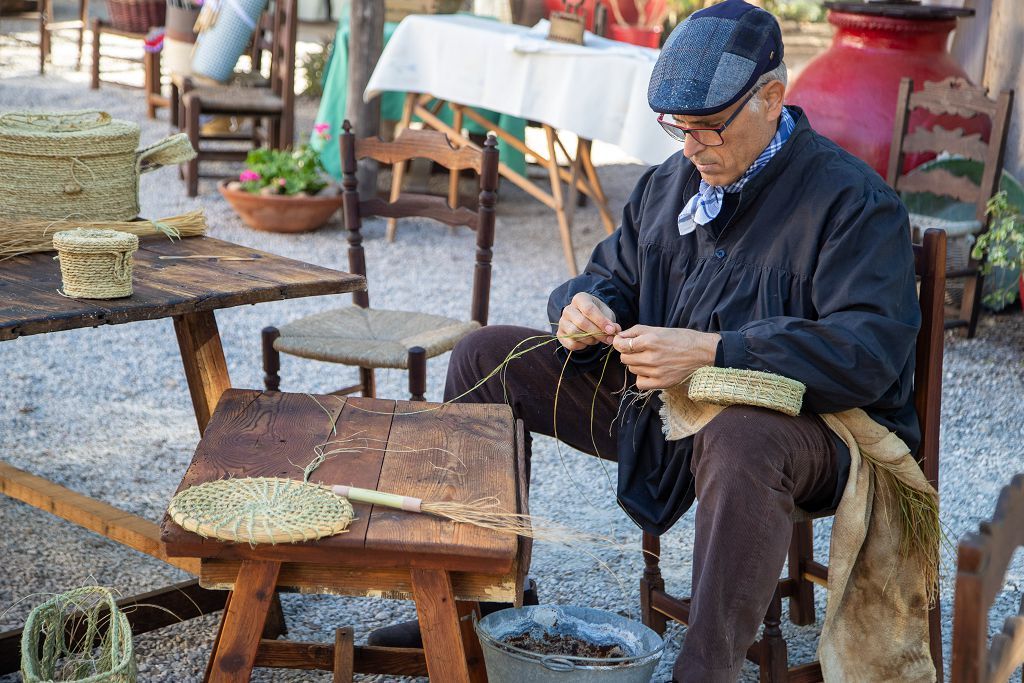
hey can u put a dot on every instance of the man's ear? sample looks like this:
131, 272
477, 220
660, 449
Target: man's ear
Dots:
773, 94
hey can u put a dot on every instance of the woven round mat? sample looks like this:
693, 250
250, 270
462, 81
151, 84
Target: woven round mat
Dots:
731, 386
261, 510
96, 264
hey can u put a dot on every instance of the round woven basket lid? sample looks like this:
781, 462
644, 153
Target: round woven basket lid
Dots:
261, 510
78, 133
94, 241
732, 386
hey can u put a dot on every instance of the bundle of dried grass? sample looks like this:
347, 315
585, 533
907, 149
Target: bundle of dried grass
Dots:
30, 235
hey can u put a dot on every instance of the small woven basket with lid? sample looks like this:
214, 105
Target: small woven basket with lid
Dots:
732, 386
77, 164
96, 264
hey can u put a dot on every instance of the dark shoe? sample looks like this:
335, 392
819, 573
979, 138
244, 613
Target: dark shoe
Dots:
407, 633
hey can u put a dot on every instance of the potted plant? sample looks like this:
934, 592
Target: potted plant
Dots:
1002, 246
283, 190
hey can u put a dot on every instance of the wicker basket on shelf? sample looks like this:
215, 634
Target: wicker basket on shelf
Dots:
137, 16
396, 10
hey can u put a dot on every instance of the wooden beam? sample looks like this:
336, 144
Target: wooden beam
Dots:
120, 526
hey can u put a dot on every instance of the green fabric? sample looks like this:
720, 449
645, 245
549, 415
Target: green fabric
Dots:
332, 109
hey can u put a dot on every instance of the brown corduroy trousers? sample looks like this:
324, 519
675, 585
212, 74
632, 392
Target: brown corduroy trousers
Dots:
751, 466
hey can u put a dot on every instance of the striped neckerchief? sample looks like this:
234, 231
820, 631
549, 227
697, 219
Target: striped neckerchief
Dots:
702, 208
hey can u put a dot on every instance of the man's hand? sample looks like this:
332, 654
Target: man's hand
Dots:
662, 357
588, 314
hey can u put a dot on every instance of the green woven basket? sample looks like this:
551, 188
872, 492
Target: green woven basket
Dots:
77, 164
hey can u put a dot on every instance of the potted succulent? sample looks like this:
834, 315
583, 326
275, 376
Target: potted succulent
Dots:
283, 190
1002, 246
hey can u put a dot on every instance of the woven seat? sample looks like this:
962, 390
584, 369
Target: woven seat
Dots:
237, 100
369, 337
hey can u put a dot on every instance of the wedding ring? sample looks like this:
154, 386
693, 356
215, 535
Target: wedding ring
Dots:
631, 345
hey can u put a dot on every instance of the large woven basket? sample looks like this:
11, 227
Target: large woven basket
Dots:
77, 164
137, 16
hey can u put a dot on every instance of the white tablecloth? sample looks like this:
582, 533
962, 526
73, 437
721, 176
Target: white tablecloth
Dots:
598, 90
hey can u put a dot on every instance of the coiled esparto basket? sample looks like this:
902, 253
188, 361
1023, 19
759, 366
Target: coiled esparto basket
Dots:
732, 386
96, 264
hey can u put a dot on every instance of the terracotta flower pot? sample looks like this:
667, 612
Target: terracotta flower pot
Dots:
281, 213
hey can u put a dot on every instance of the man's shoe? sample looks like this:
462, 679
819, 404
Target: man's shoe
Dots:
407, 633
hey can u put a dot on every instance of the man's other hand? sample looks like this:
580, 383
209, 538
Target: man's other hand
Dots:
588, 315
662, 357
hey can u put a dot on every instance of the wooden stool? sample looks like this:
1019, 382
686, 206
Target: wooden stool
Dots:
456, 452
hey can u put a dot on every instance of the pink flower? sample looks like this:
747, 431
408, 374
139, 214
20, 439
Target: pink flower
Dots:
282, 182
249, 176
321, 131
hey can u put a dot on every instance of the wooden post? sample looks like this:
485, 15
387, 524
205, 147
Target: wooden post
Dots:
1003, 72
365, 42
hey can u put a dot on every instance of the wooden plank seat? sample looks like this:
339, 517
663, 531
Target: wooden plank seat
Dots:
237, 100
454, 452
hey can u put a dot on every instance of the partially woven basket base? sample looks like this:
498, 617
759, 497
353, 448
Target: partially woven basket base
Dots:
261, 510
731, 386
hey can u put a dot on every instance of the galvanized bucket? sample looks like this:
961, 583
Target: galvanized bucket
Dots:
507, 663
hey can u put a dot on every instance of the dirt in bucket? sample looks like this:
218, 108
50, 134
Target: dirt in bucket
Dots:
566, 646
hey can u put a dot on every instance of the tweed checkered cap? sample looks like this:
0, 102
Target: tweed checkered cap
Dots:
713, 58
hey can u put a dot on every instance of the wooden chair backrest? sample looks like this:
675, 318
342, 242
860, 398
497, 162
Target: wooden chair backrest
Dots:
276, 36
435, 146
982, 561
957, 97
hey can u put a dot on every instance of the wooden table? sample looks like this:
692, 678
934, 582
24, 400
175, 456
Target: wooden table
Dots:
186, 290
435, 452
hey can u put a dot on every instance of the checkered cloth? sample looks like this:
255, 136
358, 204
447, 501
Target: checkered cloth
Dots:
705, 205
714, 58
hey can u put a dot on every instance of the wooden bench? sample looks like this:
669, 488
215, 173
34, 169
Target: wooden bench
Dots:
455, 452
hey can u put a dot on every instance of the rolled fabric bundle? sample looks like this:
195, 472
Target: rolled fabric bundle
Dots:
226, 26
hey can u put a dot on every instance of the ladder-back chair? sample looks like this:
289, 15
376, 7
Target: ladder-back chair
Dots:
244, 98
957, 97
770, 653
371, 338
982, 561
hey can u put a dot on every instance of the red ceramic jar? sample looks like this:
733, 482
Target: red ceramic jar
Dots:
849, 92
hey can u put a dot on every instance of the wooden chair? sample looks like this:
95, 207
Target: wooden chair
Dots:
150, 65
374, 338
770, 653
959, 98
982, 561
43, 13
244, 98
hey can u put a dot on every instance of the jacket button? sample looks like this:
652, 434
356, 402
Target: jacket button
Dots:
720, 253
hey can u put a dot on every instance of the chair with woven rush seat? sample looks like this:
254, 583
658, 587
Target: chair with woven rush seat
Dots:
371, 338
770, 653
956, 97
246, 97
983, 559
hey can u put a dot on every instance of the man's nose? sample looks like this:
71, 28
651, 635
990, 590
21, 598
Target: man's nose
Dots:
691, 146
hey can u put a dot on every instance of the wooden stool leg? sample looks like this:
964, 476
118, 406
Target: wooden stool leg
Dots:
453, 175
652, 581
417, 373
439, 624
774, 655
97, 27
595, 186
83, 21
398, 170
271, 359
192, 107
556, 193
242, 624
344, 655
801, 550
468, 611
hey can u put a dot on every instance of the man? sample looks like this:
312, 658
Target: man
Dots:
761, 245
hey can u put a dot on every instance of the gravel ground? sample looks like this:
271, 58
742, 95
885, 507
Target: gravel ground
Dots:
106, 412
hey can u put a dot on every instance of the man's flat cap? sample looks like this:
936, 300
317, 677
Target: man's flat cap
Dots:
713, 58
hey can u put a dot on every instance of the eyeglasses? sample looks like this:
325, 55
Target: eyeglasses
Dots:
709, 137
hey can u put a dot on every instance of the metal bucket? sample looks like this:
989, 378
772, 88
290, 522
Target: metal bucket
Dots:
507, 663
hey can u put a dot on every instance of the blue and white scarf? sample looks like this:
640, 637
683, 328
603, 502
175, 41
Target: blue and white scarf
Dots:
707, 203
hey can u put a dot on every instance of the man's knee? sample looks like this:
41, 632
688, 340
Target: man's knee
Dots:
477, 355
740, 440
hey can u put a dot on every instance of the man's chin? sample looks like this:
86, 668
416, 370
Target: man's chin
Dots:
716, 179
